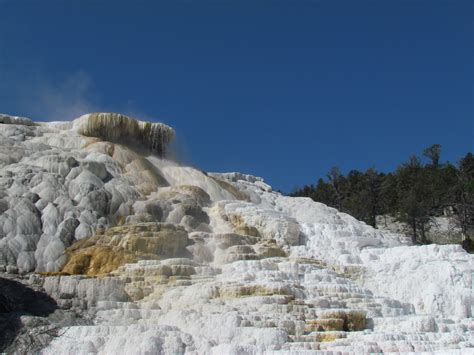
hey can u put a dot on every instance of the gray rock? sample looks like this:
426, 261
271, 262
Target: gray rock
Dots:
96, 168
66, 231
7, 119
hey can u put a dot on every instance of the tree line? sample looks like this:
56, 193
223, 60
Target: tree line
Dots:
416, 191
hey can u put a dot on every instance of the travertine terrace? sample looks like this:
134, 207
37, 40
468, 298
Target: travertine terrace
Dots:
154, 257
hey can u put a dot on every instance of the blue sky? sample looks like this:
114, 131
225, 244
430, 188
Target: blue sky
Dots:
279, 89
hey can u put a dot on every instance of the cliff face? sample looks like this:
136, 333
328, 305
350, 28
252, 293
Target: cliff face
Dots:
158, 256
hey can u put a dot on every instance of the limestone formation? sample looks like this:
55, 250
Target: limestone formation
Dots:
140, 254
115, 127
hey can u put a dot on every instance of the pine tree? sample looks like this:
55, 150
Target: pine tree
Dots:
414, 203
336, 180
433, 153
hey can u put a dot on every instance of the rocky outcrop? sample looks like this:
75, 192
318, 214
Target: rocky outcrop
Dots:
52, 196
439, 230
22, 306
115, 127
7, 119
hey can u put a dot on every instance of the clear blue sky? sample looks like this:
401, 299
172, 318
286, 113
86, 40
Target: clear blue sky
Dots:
279, 89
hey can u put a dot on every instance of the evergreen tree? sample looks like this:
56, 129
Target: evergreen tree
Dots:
433, 153
336, 180
389, 194
325, 193
373, 187
414, 203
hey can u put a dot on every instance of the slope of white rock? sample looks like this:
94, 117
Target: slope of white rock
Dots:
167, 259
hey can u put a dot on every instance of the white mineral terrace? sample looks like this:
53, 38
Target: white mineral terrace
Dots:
167, 259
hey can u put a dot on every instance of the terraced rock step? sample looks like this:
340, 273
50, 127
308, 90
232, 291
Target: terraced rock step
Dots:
268, 303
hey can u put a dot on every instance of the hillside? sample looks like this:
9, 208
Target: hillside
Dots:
431, 202
143, 255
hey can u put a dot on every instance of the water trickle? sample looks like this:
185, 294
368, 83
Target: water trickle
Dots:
157, 137
119, 128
